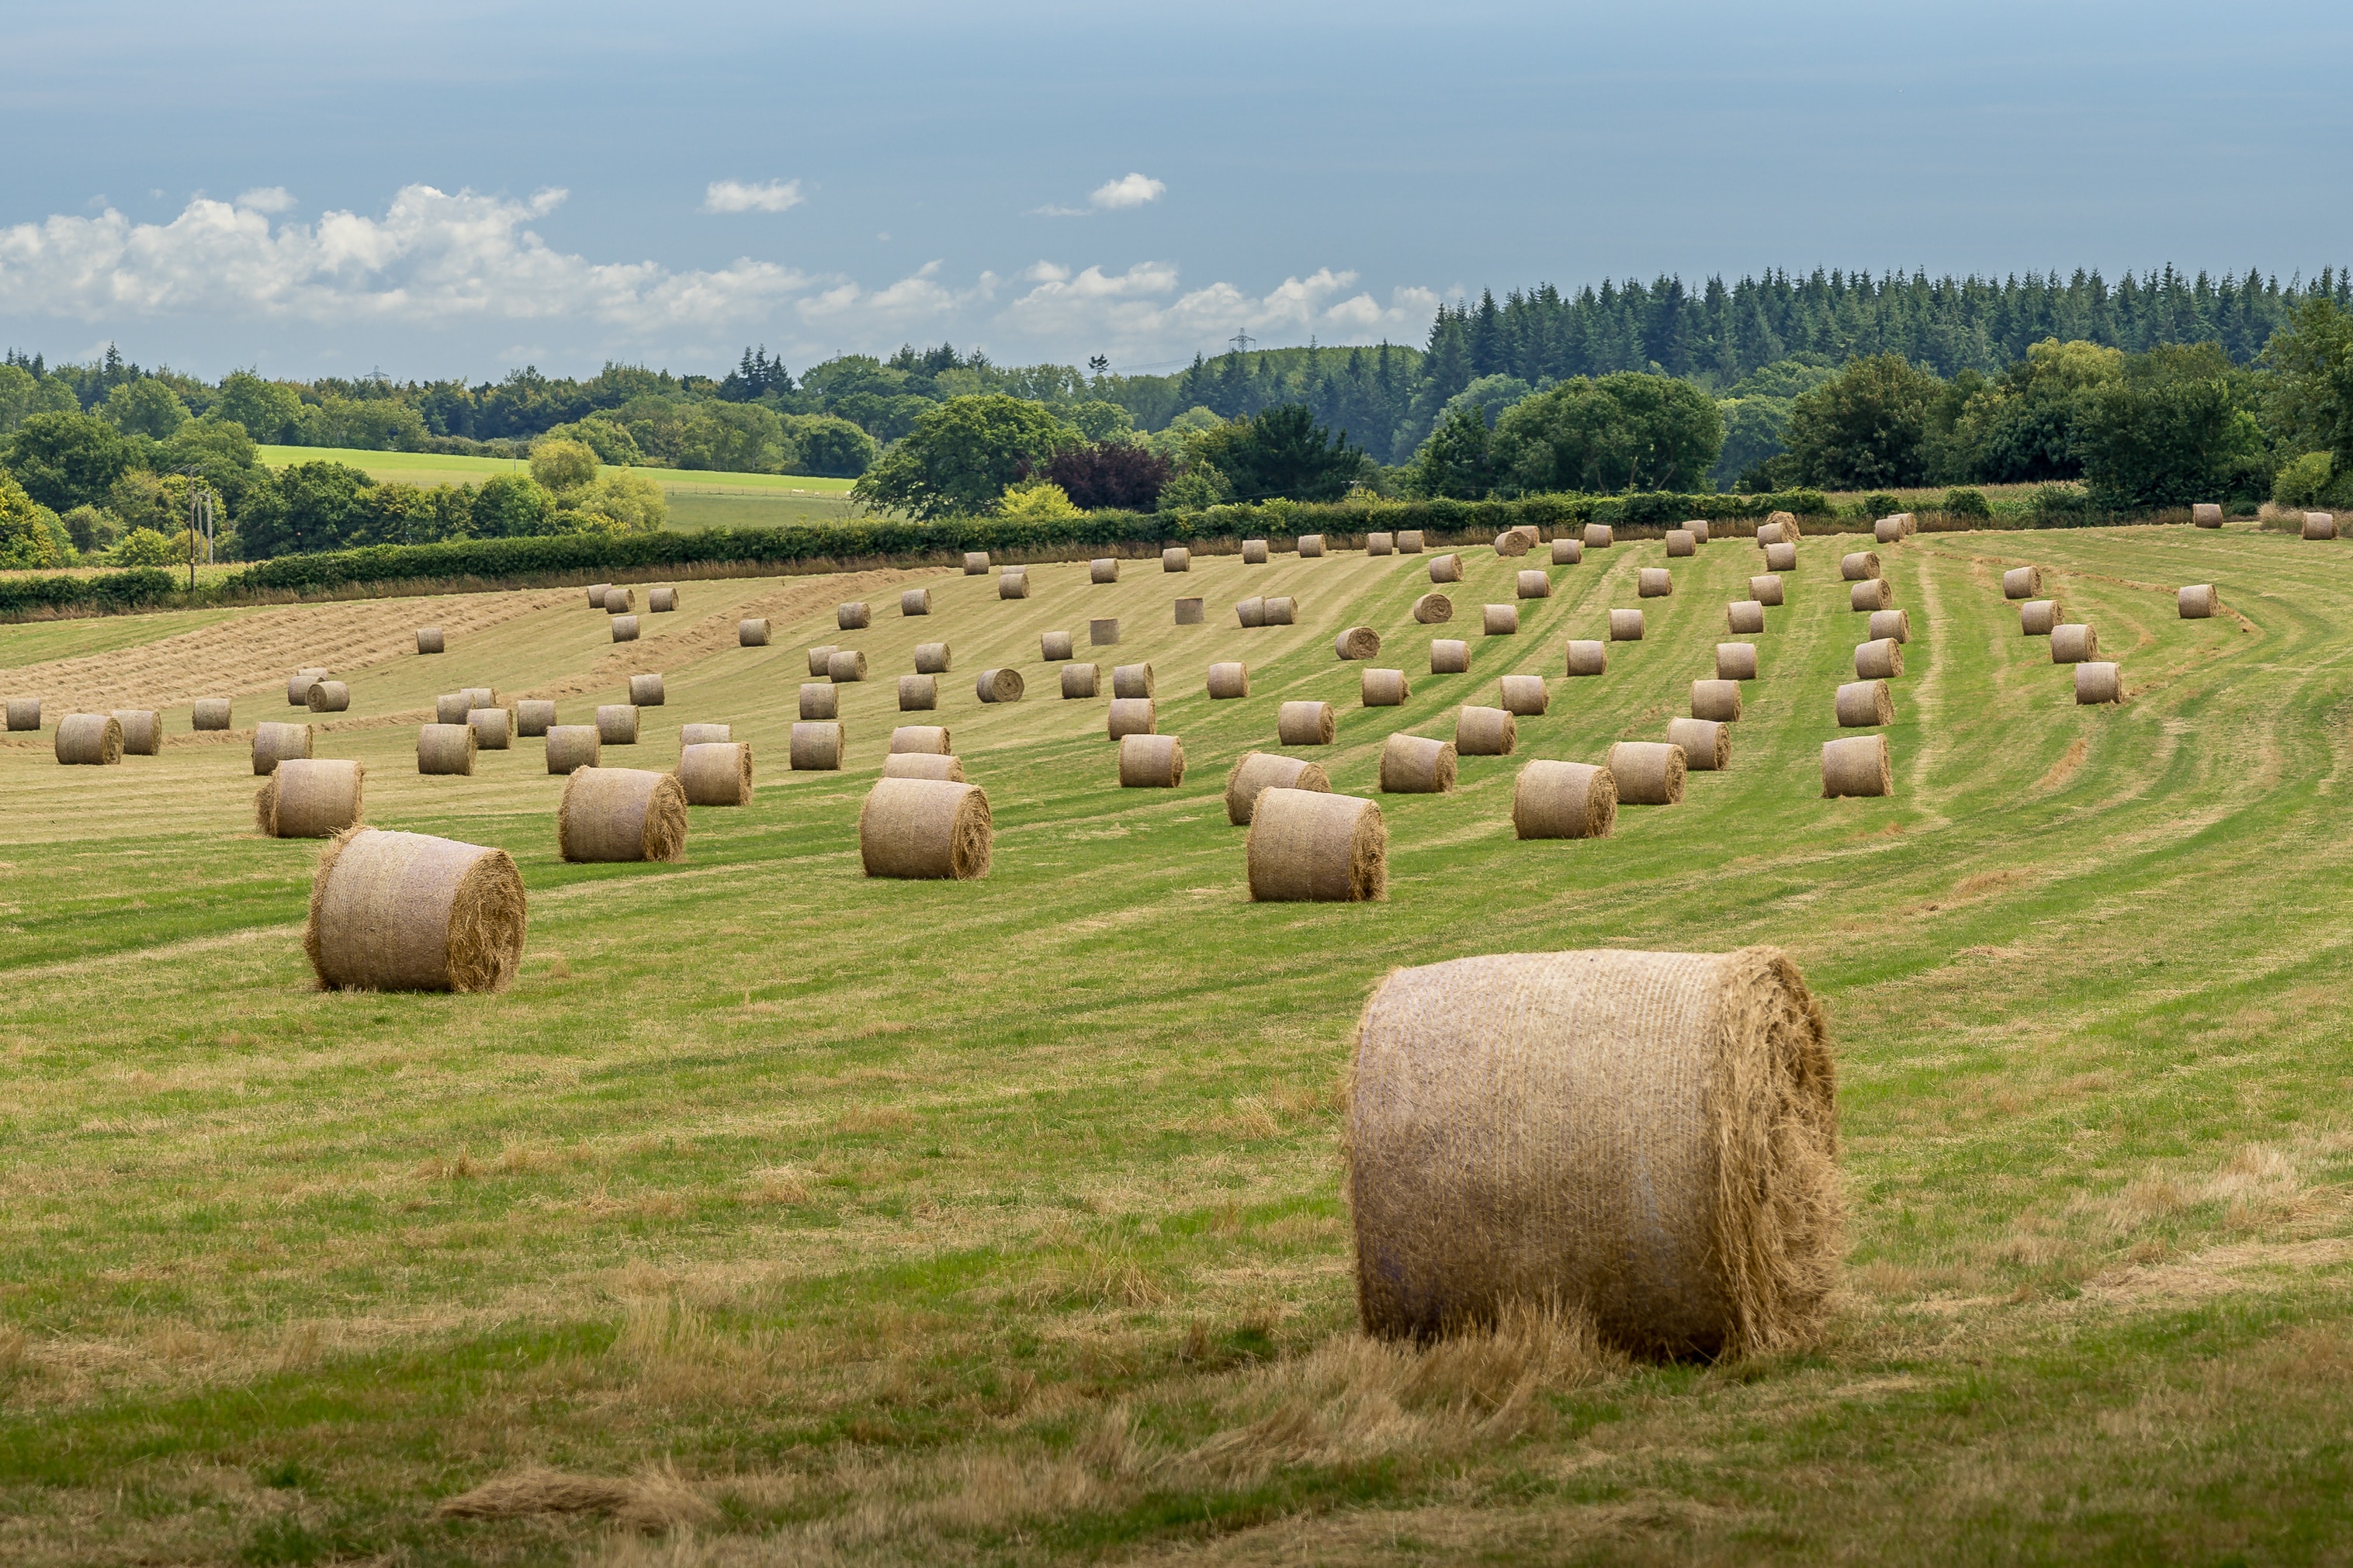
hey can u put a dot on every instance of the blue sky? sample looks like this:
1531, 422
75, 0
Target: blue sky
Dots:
455, 190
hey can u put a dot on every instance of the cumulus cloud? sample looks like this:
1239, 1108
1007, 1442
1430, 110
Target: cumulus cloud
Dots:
267, 199
1130, 191
736, 197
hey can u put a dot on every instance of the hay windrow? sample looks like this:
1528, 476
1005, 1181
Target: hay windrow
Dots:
1862, 704
1306, 723
716, 773
1485, 731
924, 829
403, 911
1587, 657
1857, 765
1563, 800
817, 747
621, 815
1706, 743
1309, 846
308, 798
1151, 761
1229, 679
1255, 771
1417, 764
1383, 688
1646, 772
89, 740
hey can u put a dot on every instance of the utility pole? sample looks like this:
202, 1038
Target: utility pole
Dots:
200, 520
1241, 341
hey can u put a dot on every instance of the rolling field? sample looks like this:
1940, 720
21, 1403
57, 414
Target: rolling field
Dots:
780, 1216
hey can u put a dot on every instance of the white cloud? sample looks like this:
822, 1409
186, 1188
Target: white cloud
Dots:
1132, 314
1132, 191
736, 197
267, 199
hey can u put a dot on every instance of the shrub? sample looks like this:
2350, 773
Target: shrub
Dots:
1968, 502
1878, 504
2303, 483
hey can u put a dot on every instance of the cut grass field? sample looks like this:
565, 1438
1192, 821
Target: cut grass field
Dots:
777, 1216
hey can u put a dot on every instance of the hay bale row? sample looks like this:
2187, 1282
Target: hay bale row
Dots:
1306, 724
817, 747
1482, 731
1871, 595
404, 911
1382, 687
1735, 661
1646, 772
924, 829
1313, 846
1229, 680
1882, 658
572, 746
621, 815
2098, 681
309, 799
274, 743
1857, 765
1705, 744
2073, 643
1256, 771
1743, 618
89, 740
1781, 558
1151, 761
716, 773
1892, 624
446, 749
1863, 704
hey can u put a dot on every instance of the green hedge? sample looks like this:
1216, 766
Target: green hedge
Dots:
107, 592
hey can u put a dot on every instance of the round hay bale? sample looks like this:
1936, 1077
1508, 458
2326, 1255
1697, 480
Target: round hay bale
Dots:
918, 694
479, 697
1000, 685
1857, 765
1250, 612
1080, 680
2319, 525
1587, 657
298, 684
646, 690
1132, 716
1379, 543
932, 659
1409, 542
1382, 687
1706, 743
1448, 655
274, 743
975, 563
2206, 514
1500, 620
1013, 584
1887, 531
1625, 626
1655, 583
1735, 661
493, 729
621, 813
404, 911
1895, 624
572, 746
617, 724
1103, 569
625, 628
1863, 704
24, 713
820, 700
1764, 590
1532, 584
1485, 732
1513, 541
1306, 845
1568, 553
913, 737
1176, 557
1416, 764
1281, 610
1882, 658
533, 715
817, 746
2197, 600
1743, 618
1253, 552
1259, 771
1697, 529
1446, 568
1718, 700
705, 735
1599, 536
923, 766
142, 731
820, 658
1305, 724
716, 773
661, 601
618, 600
1131, 681
1311, 545
1768, 533
853, 616
89, 739
1229, 680
1789, 521
1103, 633
924, 829
596, 591
1650, 1135
1190, 613
753, 633
915, 602
2022, 583
211, 713
1680, 542
1524, 696
1151, 761
1872, 593
1433, 609
1859, 566
844, 665
1358, 642
1054, 647
428, 639
1646, 772
2037, 616
2074, 644
307, 799
2098, 681
451, 708
446, 749
1781, 558
1563, 800
1906, 522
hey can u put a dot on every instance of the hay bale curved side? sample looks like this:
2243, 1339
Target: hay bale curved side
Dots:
209, 713
1103, 569
1151, 761
1859, 566
493, 728
1873, 594
406, 912
923, 766
1743, 618
705, 735
932, 738
429, 639
998, 686
915, 602
142, 731
1857, 765
1879, 659
1229, 679
1499, 620
1433, 609
572, 746
820, 700
1524, 696
933, 659
275, 742
1716, 700
2073, 643
1864, 704
89, 740
924, 829
854, 617
1081, 679
1306, 724
752, 633
1450, 656
1358, 642
1256, 771
817, 747
1131, 681
310, 799
625, 628
1563, 800
1306, 846
845, 664
617, 724
534, 716
661, 601
2022, 583
1568, 553
918, 694
1706, 743
1646, 772
716, 773
446, 749
1625, 626
1765, 590
646, 690
2197, 600
2037, 616
1485, 731
1654, 582
1446, 568
1587, 657
1781, 557
1735, 661
1176, 557
2098, 681
1895, 624
1417, 764
1132, 716
1382, 687
621, 815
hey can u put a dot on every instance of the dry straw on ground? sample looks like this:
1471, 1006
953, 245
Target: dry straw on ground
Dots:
1882, 658
646, 690
2098, 681
1894, 624
716, 773
1862, 704
1563, 800
1131, 681
1256, 771
429, 639
617, 724
309, 799
1500, 620
1716, 700
1764, 590
2022, 583
1859, 566
1448, 655
1568, 552
1081, 679
1229, 679
752, 633
915, 602
621, 813
2197, 600
1680, 542
2037, 616
1433, 609
493, 729
1781, 558
1382, 687
1104, 632
816, 746
1625, 626
1306, 723
1416, 764
211, 713
1524, 696
1176, 557
89, 740
1151, 761
273, 743
705, 735
2073, 643
1103, 569
1706, 743
403, 911
1132, 716
1743, 618
1599, 536
1002, 685
1654, 582
918, 694
1735, 661
1446, 568
572, 746
933, 737
534, 716
854, 617
1485, 731
844, 665
625, 628
1870, 595
661, 601
1253, 552
142, 731
1054, 647
975, 563
446, 749
1857, 765
1311, 546
923, 766
924, 829
1646, 772
1358, 642
1309, 846
820, 700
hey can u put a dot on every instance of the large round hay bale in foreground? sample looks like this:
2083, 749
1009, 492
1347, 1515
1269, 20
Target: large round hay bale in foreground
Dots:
1870, 595
1311, 546
1882, 658
572, 747
1151, 761
1176, 557
846, 664
274, 743
932, 738
1892, 624
1782, 557
854, 617
1081, 679
1597, 536
1448, 655
1735, 661
1416, 764
1859, 566
1646, 772
1524, 696
2319, 525
1132, 716
1563, 800
1680, 542
2206, 514
817, 746
1013, 584
1256, 771
924, 829
1305, 724
820, 700
429, 639
1103, 569
1568, 552
998, 686
1409, 542
446, 749
1856, 766
1743, 618
1358, 642
1587, 657
2037, 616
923, 766
1229, 679
617, 724
1654, 582
1500, 620
975, 563
1651, 1136
2197, 600
1625, 626
753, 633
625, 628
1706, 743
211, 713
1307, 845
1485, 731
307, 799
705, 735
918, 694
618, 601
1715, 700
2022, 583
1862, 704
298, 684
915, 602
143, 732
932, 659
2073, 643
661, 601
2098, 681
716, 773
89, 740
533, 715
1433, 609
1253, 552
1382, 687
621, 813
1764, 590
1131, 681
404, 911
493, 729
1446, 568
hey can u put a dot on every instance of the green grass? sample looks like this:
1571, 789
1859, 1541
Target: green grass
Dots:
434, 468
1001, 1222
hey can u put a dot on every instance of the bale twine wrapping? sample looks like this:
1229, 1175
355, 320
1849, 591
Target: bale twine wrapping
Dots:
1650, 1136
915, 602
1485, 732
2206, 514
1882, 658
1054, 647
1256, 771
596, 591
1229, 680
1716, 700
854, 617
1500, 620
1416, 764
275, 743
1379, 543
1448, 655
753, 633
1382, 687
446, 749
2074, 644
1646, 772
918, 694
1358, 642
1306, 723
1768, 533
820, 658
298, 684
1859, 566
2037, 616
451, 707
1863, 704
1764, 590
1446, 568
1000, 685
1132, 716
2022, 583
1532, 584
625, 628
1080, 680
705, 735
820, 700
428, 639
1625, 626
1680, 542
1409, 542
1735, 661
1873, 594
1104, 632
620, 600
1857, 765
1311, 545
1433, 609
817, 746
1250, 612
2197, 600
1176, 557
621, 813
1706, 743
2097, 681
1013, 584
1568, 553
1281, 610
1190, 613
1587, 657
846, 664
533, 715
661, 601
404, 911
1309, 846
142, 731
617, 724
924, 830
572, 746
1131, 681
89, 739
1743, 618
1524, 696
1887, 531
1151, 761
493, 728
975, 563
2319, 525
307, 799
932, 738
1253, 552
1597, 536
1895, 624
923, 766
716, 773
1563, 800
646, 690
211, 713
1655, 583
1781, 558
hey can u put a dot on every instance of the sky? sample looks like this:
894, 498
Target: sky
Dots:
440, 190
